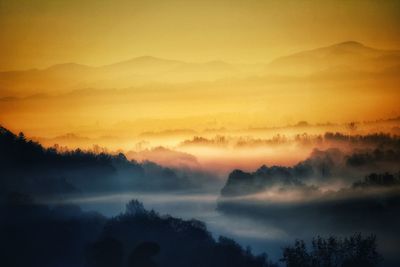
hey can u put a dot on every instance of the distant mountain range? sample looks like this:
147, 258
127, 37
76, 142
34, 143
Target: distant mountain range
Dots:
339, 57
346, 56
135, 72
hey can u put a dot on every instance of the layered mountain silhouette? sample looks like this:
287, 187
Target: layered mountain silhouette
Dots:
344, 56
135, 72
61, 78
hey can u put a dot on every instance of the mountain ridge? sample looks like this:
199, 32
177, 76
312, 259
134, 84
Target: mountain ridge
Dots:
149, 58
348, 56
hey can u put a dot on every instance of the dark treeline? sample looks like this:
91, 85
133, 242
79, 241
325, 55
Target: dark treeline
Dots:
382, 140
26, 166
321, 165
38, 235
373, 138
376, 156
353, 251
378, 180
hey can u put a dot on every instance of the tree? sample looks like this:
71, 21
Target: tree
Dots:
135, 207
107, 252
353, 251
142, 255
296, 256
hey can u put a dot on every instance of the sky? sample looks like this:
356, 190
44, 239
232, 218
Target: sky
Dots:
37, 34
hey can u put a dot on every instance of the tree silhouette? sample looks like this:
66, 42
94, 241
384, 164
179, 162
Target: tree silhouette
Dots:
107, 252
134, 207
353, 251
142, 255
34, 234
297, 255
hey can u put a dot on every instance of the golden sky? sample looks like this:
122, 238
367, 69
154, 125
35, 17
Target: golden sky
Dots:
37, 34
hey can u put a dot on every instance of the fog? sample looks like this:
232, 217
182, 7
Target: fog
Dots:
260, 236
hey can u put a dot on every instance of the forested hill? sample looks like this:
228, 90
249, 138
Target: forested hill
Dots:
28, 167
37, 235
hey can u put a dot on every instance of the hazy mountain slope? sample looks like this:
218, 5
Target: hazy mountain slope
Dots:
337, 62
137, 71
347, 55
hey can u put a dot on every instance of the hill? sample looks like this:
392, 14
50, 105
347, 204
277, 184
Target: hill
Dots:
26, 166
38, 235
138, 71
349, 55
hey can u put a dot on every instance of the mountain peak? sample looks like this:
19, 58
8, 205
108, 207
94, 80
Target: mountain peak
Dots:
146, 60
350, 44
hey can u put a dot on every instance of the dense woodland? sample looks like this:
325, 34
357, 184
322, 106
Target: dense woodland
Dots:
35, 234
28, 167
38, 235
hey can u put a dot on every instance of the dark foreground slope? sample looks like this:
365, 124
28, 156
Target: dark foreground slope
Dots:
26, 166
38, 235
35, 234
